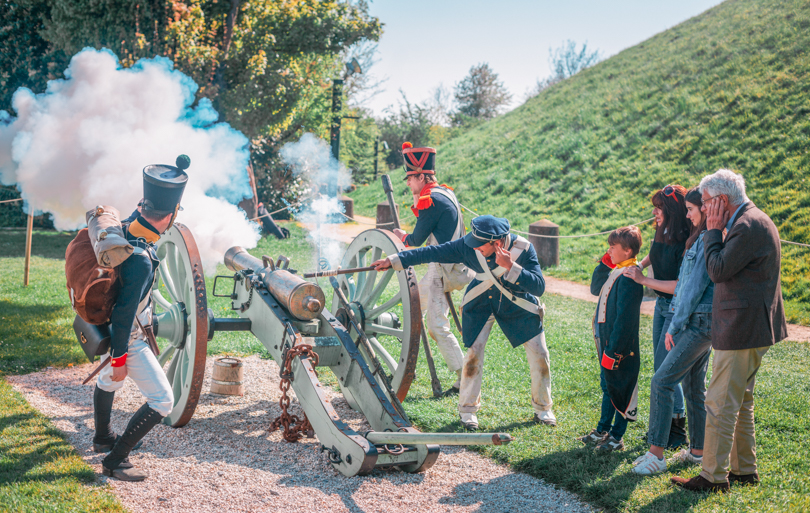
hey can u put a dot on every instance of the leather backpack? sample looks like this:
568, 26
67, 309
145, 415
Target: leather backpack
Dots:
93, 289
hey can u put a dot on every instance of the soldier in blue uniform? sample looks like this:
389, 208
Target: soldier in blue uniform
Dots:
129, 350
438, 220
505, 289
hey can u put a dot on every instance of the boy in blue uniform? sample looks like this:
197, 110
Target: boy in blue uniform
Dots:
508, 279
129, 350
438, 220
615, 328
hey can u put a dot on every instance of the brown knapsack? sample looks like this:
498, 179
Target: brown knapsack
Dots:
93, 289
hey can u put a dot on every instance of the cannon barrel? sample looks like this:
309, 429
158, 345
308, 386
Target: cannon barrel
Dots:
304, 300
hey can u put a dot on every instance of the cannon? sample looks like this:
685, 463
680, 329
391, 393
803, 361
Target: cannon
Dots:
369, 340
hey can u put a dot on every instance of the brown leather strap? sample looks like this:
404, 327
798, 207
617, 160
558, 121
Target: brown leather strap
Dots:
150, 336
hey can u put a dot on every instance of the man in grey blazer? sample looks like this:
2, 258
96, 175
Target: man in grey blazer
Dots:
747, 319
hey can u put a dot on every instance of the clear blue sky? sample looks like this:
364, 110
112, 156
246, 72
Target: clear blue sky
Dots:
426, 43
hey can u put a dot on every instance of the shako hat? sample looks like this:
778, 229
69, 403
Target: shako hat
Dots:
163, 185
418, 160
485, 229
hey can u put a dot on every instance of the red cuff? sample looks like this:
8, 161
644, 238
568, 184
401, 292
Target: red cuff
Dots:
608, 262
119, 362
608, 362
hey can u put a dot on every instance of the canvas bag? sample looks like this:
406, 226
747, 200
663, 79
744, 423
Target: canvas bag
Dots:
91, 265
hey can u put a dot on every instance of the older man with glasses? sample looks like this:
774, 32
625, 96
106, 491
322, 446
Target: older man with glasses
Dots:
748, 317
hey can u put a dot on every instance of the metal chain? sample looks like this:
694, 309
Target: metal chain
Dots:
294, 428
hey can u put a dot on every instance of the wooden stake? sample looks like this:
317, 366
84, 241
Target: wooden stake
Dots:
28, 236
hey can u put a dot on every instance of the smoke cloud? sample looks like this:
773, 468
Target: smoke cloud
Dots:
312, 159
85, 140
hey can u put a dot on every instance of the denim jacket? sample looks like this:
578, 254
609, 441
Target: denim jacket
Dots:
694, 291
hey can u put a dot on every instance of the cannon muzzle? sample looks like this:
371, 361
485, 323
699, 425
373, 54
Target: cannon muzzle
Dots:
304, 300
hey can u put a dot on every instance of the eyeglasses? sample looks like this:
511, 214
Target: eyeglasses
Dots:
670, 191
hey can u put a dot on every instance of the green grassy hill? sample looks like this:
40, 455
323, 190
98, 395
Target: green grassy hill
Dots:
728, 88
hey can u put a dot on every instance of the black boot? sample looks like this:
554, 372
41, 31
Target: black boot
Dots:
677, 433
116, 463
102, 410
105, 437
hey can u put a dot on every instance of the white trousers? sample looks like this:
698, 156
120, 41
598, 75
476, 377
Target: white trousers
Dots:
469, 398
435, 310
144, 369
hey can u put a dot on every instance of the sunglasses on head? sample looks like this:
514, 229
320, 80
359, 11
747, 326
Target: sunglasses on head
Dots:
670, 191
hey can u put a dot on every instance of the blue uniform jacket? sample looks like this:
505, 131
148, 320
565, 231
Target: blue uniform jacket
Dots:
525, 280
440, 219
137, 274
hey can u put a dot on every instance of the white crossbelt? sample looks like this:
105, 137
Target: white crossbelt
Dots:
490, 277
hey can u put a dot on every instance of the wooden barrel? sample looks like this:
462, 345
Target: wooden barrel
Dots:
227, 377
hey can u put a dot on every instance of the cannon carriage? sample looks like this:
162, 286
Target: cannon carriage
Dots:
369, 338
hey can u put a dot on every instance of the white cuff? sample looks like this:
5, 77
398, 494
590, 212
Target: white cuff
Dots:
514, 273
395, 262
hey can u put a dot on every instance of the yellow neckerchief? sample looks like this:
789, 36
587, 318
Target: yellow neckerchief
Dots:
627, 263
141, 229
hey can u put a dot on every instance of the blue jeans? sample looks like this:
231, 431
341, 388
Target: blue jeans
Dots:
610, 415
687, 363
661, 319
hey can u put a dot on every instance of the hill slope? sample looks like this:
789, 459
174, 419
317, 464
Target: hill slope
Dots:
728, 88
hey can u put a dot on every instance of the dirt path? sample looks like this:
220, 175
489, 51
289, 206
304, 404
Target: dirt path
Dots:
225, 460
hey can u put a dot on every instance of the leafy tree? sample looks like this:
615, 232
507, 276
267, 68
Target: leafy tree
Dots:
480, 95
265, 64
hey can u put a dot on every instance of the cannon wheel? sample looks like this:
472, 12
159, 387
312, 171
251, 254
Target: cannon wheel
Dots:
365, 290
181, 306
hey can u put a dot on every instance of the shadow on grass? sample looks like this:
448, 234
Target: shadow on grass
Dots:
35, 336
46, 244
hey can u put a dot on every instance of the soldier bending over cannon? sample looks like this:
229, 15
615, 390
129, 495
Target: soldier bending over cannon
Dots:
508, 279
438, 220
129, 349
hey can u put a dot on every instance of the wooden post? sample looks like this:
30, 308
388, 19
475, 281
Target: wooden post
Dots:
348, 207
28, 236
385, 221
548, 249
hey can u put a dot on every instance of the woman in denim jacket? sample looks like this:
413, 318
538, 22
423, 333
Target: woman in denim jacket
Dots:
689, 343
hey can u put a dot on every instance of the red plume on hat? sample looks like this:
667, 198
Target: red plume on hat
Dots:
418, 160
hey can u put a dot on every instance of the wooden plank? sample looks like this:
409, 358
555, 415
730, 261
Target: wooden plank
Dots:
28, 236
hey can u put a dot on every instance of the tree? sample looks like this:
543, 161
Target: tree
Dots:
565, 61
480, 95
266, 65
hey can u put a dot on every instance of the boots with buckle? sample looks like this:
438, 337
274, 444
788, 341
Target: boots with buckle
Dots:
116, 464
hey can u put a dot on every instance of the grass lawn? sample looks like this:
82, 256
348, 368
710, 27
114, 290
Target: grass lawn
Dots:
37, 465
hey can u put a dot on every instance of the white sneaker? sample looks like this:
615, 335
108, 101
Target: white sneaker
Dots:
686, 456
545, 417
640, 459
650, 464
470, 421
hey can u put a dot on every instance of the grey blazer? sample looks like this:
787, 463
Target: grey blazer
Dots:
747, 310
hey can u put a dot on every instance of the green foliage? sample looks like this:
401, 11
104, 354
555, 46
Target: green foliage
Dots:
480, 95
726, 89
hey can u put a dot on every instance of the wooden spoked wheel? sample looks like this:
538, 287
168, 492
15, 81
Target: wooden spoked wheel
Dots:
181, 312
386, 303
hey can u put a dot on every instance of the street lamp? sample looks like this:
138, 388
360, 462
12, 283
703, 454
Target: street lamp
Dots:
352, 67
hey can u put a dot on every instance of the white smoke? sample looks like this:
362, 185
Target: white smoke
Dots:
86, 139
312, 158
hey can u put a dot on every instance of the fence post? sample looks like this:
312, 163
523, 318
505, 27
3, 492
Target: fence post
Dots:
348, 206
29, 234
548, 249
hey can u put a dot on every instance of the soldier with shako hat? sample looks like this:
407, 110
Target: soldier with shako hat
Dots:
438, 220
130, 354
507, 283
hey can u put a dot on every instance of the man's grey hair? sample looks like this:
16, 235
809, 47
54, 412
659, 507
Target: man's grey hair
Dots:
725, 181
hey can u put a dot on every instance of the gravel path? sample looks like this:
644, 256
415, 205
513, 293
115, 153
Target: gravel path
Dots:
224, 459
